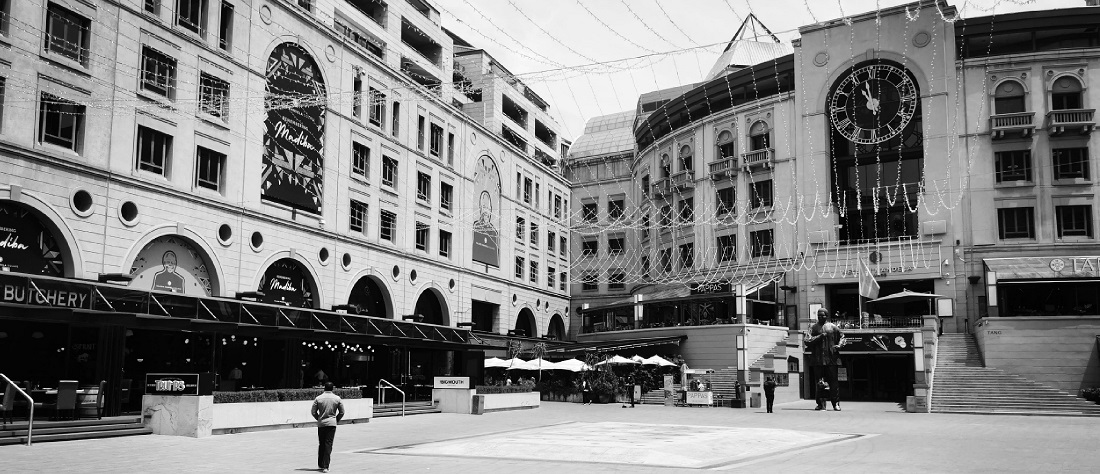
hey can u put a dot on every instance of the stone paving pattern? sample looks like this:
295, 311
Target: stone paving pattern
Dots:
890, 441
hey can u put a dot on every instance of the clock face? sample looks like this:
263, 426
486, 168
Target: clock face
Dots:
873, 104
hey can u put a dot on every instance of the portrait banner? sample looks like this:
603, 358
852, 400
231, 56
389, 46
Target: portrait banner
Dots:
293, 161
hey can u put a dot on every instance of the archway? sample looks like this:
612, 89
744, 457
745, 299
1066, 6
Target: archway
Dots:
174, 264
371, 298
431, 308
525, 324
287, 283
556, 330
31, 243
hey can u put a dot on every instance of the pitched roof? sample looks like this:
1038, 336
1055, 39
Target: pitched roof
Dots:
753, 43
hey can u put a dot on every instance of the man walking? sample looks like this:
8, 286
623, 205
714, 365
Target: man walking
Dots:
769, 392
824, 341
586, 391
328, 410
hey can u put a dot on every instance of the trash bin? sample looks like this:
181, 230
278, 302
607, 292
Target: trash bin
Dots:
754, 400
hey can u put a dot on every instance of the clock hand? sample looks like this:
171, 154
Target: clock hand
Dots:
872, 103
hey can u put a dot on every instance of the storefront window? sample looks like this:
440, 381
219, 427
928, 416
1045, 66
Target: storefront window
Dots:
1066, 298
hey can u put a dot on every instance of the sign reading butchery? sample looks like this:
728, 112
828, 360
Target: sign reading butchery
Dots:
26, 246
293, 172
286, 283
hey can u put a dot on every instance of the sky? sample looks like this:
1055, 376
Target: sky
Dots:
595, 57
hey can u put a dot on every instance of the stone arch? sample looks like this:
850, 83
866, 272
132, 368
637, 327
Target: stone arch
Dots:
312, 277
526, 325
556, 328
915, 71
51, 222
759, 128
196, 241
1008, 95
1064, 84
370, 295
431, 306
313, 52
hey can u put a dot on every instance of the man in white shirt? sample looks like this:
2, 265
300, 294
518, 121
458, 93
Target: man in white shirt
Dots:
328, 410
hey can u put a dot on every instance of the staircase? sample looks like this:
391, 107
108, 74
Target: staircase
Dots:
963, 384
411, 408
657, 397
16, 433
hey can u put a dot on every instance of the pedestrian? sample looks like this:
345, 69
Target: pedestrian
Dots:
769, 392
328, 410
586, 392
630, 390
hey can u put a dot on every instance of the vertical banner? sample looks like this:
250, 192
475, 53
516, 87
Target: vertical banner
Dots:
293, 172
486, 225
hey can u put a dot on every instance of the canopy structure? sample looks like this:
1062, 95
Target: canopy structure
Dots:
905, 296
658, 361
495, 362
516, 363
572, 365
617, 360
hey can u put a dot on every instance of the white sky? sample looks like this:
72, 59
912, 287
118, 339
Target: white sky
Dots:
578, 38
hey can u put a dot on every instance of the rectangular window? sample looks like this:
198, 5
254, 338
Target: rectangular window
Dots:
521, 265
521, 229
446, 196
444, 244
645, 185
687, 255
616, 245
357, 95
527, 183
360, 160
154, 151
3, 90
557, 207
687, 211
762, 194
387, 224
727, 248
1013, 165
395, 125
616, 279
645, 226
420, 133
152, 6
424, 188
377, 107
67, 34
562, 248
534, 234
590, 281
1074, 221
551, 241
191, 14
435, 145
209, 166
357, 221
665, 257
645, 267
450, 148
61, 122
589, 247
551, 273
665, 219
158, 72
214, 96
1071, 163
727, 201
761, 243
615, 209
536, 197
519, 185
421, 237
562, 281
590, 212
1016, 223
389, 171
533, 275
225, 30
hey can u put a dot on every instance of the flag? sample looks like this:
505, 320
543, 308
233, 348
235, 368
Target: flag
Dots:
868, 287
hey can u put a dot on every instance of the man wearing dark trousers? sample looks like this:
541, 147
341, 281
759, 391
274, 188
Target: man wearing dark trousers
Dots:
824, 342
328, 410
769, 392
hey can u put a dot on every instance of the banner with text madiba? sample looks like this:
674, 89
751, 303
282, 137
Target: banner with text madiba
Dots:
293, 172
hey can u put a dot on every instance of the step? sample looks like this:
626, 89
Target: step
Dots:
81, 435
407, 413
64, 424
1006, 403
76, 429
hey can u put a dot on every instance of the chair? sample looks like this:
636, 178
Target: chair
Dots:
66, 398
9, 405
99, 399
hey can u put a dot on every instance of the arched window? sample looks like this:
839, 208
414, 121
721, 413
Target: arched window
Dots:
685, 158
1066, 94
725, 144
666, 166
1009, 98
759, 136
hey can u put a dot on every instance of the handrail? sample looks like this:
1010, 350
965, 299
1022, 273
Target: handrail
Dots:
381, 393
30, 402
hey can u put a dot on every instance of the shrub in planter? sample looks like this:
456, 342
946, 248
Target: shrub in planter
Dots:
491, 389
282, 395
1091, 394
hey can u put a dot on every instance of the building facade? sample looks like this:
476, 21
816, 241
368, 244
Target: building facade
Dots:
305, 165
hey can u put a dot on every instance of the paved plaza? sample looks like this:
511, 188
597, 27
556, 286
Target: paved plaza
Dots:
561, 437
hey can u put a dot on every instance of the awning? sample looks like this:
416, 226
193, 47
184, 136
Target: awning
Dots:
617, 345
1049, 268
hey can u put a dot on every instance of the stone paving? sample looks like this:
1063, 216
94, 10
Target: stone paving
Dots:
562, 437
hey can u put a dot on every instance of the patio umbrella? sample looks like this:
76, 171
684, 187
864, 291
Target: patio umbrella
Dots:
639, 359
572, 365
520, 364
617, 360
659, 361
541, 364
495, 362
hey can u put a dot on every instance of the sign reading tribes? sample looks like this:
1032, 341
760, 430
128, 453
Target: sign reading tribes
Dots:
26, 246
295, 129
286, 283
171, 264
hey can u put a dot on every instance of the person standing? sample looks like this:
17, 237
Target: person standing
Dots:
328, 410
824, 341
586, 392
769, 392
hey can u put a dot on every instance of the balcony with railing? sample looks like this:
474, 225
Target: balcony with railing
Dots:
723, 168
684, 179
662, 187
1070, 120
757, 158
1019, 124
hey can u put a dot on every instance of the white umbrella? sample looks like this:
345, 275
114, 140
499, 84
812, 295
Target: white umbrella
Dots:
572, 365
639, 359
617, 359
659, 361
520, 364
541, 364
495, 362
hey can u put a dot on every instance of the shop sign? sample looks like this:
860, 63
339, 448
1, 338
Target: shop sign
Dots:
171, 264
452, 382
700, 398
26, 246
293, 160
286, 283
1015, 268
172, 384
883, 342
708, 288
880, 270
22, 290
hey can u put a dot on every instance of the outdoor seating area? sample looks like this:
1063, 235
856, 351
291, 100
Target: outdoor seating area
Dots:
68, 401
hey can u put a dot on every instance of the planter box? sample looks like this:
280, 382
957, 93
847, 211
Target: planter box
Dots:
505, 401
242, 417
556, 397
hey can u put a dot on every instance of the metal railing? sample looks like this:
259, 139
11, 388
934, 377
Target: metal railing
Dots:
382, 393
1070, 116
1013, 120
30, 403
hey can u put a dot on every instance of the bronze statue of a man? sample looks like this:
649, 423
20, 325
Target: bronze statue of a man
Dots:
824, 342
